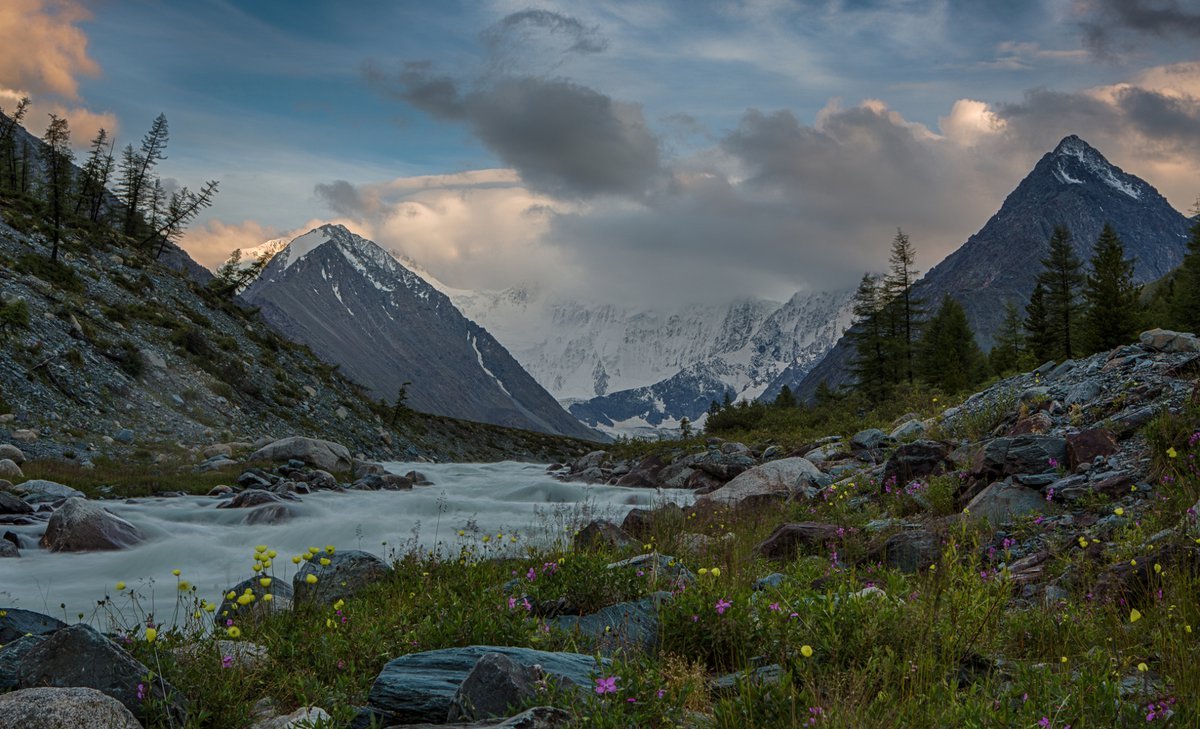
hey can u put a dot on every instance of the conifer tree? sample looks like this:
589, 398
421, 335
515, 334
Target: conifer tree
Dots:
138, 170
1185, 303
785, 398
1007, 353
182, 208
58, 174
1062, 277
950, 358
94, 178
1040, 342
1112, 308
8, 135
898, 285
871, 363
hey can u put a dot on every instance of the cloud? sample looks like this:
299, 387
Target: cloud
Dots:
211, 243
1106, 24
520, 29
41, 48
563, 138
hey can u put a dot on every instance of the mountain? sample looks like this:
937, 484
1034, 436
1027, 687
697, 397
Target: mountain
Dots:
357, 307
1074, 185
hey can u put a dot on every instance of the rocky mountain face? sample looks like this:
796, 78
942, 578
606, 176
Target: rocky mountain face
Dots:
357, 307
1074, 185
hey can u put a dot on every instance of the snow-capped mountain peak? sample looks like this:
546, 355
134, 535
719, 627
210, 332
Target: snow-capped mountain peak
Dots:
1074, 156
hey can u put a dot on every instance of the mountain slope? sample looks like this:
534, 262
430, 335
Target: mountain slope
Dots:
1074, 185
358, 307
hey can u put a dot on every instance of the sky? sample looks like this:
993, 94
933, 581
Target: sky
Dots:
668, 152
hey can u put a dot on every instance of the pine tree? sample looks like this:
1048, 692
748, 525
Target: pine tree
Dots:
871, 363
1185, 302
950, 358
58, 174
1112, 307
139, 173
1062, 276
685, 427
1007, 353
898, 285
1040, 342
8, 136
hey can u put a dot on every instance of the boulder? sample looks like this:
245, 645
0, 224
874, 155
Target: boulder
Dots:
12, 453
10, 504
786, 478
281, 599
868, 439
789, 539
622, 627
721, 466
79, 656
268, 514
916, 460
83, 526
495, 684
1084, 446
661, 567
8, 549
909, 551
420, 687
24, 436
40, 491
600, 533
15, 622
908, 429
1165, 340
124, 435
1032, 424
319, 479
1083, 393
347, 573
1023, 454
11, 655
63, 708
319, 453
251, 498
383, 482
1003, 500
305, 717
10, 470
641, 522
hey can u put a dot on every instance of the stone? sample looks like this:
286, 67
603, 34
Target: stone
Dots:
281, 599
771, 581
11, 655
602, 534
419, 687
1165, 340
319, 479
16, 622
382, 482
12, 453
237, 653
24, 436
1003, 500
322, 454
495, 684
660, 568
347, 573
785, 478
641, 523
250, 498
722, 466
728, 684
10, 504
8, 550
1033, 424
63, 708
79, 656
124, 435
868, 439
909, 551
1131, 419
916, 460
1084, 446
10, 470
306, 717
789, 539
40, 491
622, 627
218, 449
84, 526
1083, 393
908, 429
1023, 454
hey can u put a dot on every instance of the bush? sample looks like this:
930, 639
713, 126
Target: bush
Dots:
13, 315
129, 359
59, 275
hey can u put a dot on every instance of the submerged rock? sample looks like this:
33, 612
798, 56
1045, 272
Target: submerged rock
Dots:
83, 526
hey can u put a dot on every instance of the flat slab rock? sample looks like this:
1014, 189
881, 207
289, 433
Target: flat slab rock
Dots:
419, 687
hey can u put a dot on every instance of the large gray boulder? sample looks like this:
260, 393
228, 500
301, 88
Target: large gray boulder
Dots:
281, 599
495, 684
12, 453
10, 504
83, 526
347, 573
786, 478
11, 655
323, 454
1000, 502
10, 471
40, 491
1165, 340
15, 622
626, 626
63, 708
1025, 454
80, 657
419, 687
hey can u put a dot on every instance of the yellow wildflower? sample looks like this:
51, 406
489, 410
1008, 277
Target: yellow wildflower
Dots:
268, 597
265, 582
325, 562
806, 651
184, 586
296, 559
151, 635
310, 579
233, 631
339, 604
1134, 615
716, 571
1171, 453
175, 572
1119, 511
120, 586
328, 549
1143, 667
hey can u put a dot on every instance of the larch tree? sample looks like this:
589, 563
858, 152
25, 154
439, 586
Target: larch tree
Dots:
139, 172
1112, 310
93, 182
57, 175
8, 137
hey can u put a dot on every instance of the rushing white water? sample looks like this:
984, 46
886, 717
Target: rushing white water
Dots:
213, 549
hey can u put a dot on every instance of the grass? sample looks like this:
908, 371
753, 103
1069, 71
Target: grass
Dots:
858, 645
128, 478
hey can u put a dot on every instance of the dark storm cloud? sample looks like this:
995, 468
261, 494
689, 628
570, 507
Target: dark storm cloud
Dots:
519, 27
1106, 22
341, 197
562, 137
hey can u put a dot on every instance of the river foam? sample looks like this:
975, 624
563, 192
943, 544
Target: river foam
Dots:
212, 548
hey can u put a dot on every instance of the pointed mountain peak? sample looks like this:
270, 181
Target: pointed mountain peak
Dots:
1074, 146
1075, 162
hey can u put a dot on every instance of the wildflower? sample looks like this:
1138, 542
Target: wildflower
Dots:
1187, 628
210, 607
120, 586
462, 533
806, 651
1044, 721
606, 685
339, 605
176, 572
1134, 615
268, 597
1142, 667
272, 554
1119, 511
774, 607
310, 579
1053, 462
659, 693
260, 548
325, 562
265, 582
1171, 452
329, 549
1133, 563
246, 599
226, 661
716, 571
703, 570
486, 538
296, 559
184, 586
233, 631
141, 691
151, 635
1157, 568
1063, 659
722, 605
